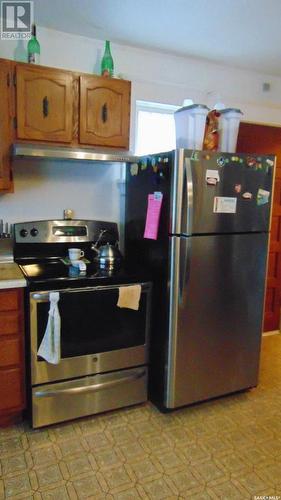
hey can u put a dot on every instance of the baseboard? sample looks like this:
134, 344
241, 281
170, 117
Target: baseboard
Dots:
274, 332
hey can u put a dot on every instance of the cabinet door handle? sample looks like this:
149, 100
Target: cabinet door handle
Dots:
45, 106
104, 113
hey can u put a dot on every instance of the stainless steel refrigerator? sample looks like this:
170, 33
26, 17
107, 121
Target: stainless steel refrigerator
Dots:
208, 266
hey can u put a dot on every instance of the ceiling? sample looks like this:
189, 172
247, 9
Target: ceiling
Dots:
242, 33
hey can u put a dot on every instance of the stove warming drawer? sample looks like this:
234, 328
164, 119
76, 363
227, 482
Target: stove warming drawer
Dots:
52, 403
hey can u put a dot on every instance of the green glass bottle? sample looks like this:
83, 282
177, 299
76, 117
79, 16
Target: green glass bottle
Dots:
107, 65
33, 48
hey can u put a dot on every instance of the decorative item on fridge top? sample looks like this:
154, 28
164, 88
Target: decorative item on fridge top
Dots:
222, 127
211, 136
229, 121
107, 65
33, 48
190, 125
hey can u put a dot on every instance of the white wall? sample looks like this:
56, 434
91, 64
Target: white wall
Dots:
42, 190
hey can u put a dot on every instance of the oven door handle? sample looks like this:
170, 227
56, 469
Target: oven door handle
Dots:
90, 388
45, 296
41, 296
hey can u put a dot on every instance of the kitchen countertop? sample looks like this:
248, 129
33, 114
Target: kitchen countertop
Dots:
11, 276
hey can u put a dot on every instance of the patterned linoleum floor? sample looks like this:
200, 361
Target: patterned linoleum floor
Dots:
227, 448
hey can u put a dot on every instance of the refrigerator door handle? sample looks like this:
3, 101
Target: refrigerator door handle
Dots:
177, 191
174, 288
182, 194
184, 269
179, 275
188, 189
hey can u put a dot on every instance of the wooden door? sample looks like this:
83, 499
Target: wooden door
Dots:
44, 104
265, 139
104, 111
6, 125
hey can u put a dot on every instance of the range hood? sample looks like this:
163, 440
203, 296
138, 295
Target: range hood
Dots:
43, 151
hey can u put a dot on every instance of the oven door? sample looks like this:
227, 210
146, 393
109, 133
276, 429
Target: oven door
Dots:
96, 335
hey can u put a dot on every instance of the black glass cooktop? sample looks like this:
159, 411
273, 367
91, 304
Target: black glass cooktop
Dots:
39, 270
55, 272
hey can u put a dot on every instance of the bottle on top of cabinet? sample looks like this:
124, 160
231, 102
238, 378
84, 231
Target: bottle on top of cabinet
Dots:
33, 48
107, 65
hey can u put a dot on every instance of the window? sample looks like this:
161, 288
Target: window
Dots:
155, 127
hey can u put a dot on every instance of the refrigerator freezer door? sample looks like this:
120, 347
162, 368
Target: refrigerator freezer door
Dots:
152, 174
215, 318
227, 193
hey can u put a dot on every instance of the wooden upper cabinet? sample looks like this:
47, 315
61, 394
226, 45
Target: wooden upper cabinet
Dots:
104, 111
44, 104
6, 124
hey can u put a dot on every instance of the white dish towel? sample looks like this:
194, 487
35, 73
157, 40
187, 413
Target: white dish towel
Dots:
49, 348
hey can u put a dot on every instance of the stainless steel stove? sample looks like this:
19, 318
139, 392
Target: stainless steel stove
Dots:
103, 348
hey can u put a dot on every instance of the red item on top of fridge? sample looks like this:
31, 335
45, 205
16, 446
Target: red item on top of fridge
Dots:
211, 137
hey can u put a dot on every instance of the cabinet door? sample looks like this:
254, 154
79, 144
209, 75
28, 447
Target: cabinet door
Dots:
12, 397
44, 104
104, 111
9, 300
6, 125
12, 372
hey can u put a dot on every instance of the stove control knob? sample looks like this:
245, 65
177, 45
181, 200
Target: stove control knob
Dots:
34, 231
23, 233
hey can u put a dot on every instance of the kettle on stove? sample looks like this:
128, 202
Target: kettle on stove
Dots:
108, 256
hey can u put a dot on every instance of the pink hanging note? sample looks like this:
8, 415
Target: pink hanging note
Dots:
153, 215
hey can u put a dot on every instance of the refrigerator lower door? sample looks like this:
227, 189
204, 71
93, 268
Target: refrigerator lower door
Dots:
215, 318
